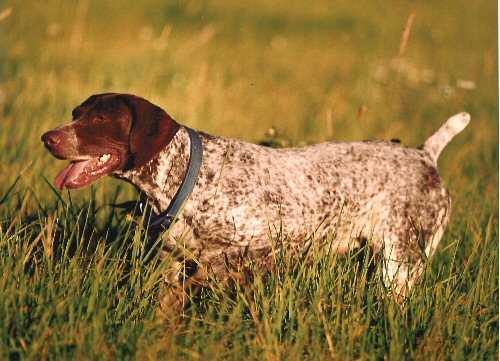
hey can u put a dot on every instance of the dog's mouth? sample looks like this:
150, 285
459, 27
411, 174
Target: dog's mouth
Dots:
81, 172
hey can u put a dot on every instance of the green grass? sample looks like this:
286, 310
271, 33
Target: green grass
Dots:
76, 279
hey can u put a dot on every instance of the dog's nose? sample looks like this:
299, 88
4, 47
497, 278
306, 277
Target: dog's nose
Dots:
51, 138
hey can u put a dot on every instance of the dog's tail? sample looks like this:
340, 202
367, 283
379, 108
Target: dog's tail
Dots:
436, 142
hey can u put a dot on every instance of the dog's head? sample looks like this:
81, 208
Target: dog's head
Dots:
109, 132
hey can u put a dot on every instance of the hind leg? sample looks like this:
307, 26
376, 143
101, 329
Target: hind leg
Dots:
410, 239
405, 257
400, 271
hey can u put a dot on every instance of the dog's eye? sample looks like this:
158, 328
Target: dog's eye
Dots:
99, 120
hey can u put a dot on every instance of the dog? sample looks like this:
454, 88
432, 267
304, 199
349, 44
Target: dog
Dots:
339, 193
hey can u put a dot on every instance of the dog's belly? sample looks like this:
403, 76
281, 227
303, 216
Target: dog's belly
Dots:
250, 226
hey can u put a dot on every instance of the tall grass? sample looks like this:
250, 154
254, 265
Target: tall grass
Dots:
76, 278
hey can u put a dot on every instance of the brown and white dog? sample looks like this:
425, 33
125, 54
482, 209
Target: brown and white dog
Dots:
381, 192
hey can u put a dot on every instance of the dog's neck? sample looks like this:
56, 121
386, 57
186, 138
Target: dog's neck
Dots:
160, 178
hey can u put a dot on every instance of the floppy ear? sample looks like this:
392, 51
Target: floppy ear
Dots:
152, 130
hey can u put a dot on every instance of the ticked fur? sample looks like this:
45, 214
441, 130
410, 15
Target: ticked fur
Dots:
382, 192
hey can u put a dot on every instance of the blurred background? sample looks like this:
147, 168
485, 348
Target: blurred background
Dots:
312, 71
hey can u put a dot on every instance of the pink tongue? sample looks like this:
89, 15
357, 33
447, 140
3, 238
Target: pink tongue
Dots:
72, 171
61, 177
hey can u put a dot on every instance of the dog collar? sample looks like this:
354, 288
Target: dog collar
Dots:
167, 217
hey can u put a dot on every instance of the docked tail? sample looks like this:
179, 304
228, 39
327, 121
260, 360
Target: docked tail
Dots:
436, 143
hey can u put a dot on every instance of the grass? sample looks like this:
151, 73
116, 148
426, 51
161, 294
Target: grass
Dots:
76, 280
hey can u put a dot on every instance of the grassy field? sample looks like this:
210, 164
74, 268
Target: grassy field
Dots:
76, 281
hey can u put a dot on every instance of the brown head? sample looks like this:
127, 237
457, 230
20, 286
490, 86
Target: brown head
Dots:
110, 132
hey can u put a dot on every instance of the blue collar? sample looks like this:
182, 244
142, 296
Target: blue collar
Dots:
165, 218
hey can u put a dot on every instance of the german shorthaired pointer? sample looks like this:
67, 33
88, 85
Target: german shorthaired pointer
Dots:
342, 194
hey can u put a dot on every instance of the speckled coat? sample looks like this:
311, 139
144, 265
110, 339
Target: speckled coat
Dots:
342, 193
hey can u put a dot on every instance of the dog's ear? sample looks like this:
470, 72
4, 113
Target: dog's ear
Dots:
152, 130
87, 103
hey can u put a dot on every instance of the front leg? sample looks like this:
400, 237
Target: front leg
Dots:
185, 276
182, 282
